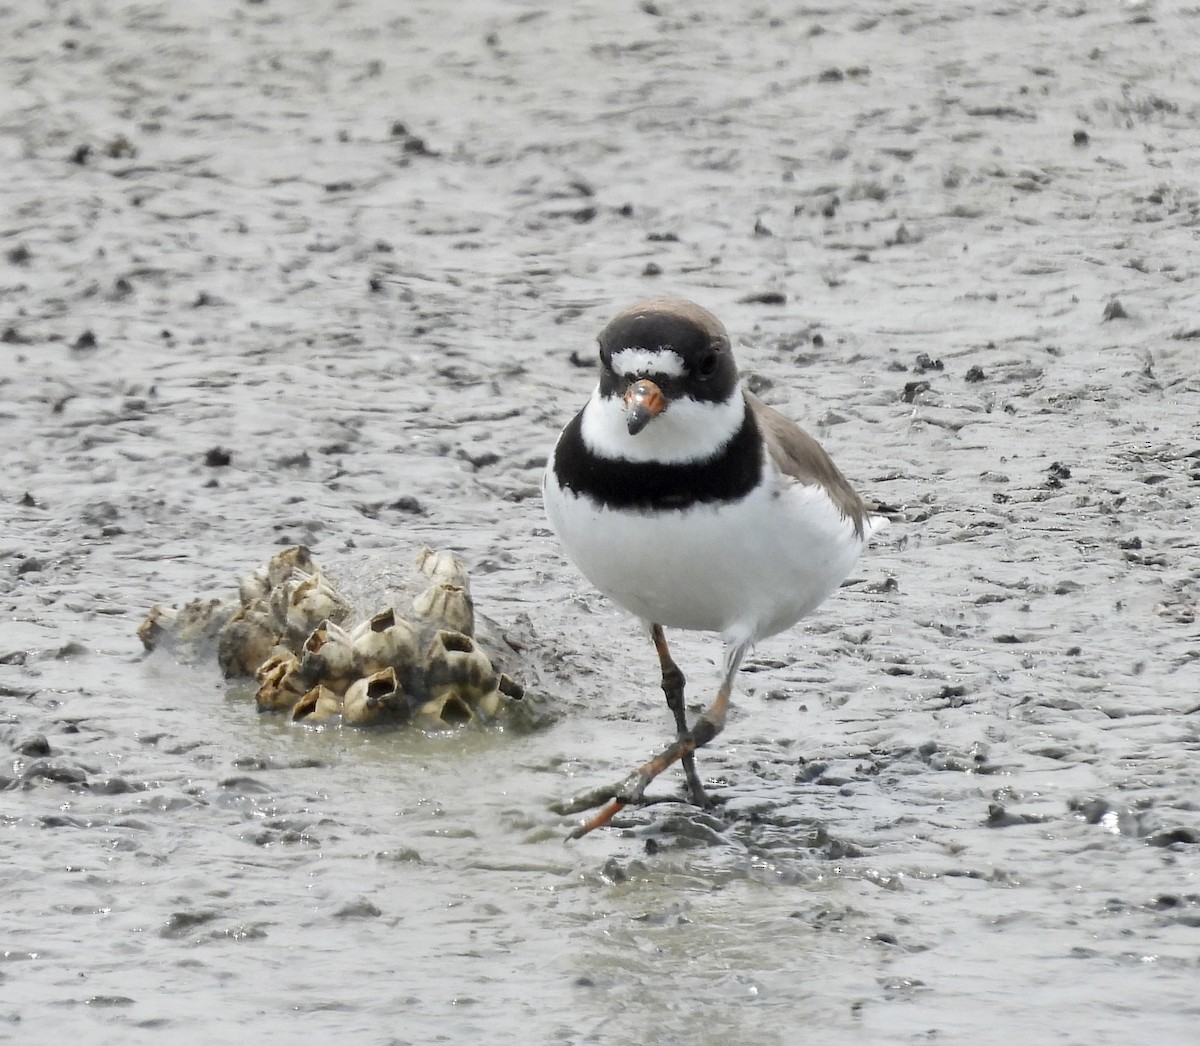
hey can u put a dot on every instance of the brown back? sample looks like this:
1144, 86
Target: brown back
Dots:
798, 455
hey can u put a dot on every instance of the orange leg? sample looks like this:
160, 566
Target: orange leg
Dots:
710, 723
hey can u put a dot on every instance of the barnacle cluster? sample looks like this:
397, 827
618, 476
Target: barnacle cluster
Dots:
416, 661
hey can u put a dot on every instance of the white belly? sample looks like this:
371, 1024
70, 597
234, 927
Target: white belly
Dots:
746, 570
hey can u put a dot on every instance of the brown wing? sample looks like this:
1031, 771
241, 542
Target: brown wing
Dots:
798, 455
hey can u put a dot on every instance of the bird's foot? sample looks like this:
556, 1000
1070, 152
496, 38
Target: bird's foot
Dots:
631, 791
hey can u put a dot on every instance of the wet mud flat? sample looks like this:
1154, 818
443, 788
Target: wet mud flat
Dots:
275, 274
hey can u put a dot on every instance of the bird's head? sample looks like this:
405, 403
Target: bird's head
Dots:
655, 353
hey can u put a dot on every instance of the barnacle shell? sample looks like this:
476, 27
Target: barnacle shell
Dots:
281, 566
254, 587
385, 641
449, 605
443, 568
416, 659
190, 629
328, 657
159, 622
375, 698
201, 619
279, 683
491, 705
446, 711
277, 570
247, 640
498, 701
453, 660
303, 602
319, 704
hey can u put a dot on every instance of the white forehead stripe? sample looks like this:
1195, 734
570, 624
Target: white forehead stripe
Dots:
636, 362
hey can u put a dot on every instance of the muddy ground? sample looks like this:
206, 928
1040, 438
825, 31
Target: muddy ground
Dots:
364, 248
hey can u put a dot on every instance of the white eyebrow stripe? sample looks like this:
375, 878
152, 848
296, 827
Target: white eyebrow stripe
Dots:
648, 361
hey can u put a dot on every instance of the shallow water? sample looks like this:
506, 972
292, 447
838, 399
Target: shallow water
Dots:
961, 801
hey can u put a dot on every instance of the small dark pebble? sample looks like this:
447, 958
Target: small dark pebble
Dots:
662, 237
245, 785
1171, 836
81, 154
408, 504
34, 745
87, 340
613, 872
925, 362
999, 817
1114, 310
1091, 809
764, 298
375, 283
810, 771
180, 924
652, 269
49, 770
1133, 543
358, 910
912, 389
975, 374
1081, 137
818, 339
61, 821
403, 855
482, 460
579, 360
294, 461
30, 565
112, 786
831, 76
1059, 471
19, 255
418, 147
217, 457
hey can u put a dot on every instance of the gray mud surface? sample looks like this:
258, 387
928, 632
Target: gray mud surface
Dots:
357, 246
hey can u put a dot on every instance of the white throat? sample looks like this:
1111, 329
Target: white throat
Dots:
687, 431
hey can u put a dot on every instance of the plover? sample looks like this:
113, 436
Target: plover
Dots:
692, 504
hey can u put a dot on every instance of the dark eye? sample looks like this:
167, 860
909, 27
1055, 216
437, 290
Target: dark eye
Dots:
707, 366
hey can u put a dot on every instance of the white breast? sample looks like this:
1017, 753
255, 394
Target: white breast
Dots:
747, 569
